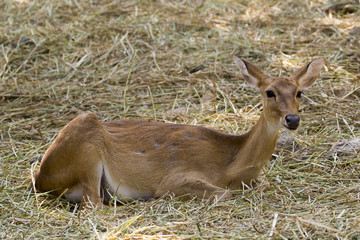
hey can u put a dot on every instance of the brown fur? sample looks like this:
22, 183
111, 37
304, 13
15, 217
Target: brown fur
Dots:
142, 159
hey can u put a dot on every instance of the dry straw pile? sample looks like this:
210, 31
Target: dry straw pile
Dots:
170, 60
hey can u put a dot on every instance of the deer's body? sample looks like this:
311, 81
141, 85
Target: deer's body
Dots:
92, 161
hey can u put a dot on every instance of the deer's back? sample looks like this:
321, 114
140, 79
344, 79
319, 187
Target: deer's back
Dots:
140, 149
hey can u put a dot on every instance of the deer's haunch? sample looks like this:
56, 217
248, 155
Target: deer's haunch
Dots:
91, 161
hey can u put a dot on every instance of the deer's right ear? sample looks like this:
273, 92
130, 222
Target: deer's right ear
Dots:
307, 75
251, 73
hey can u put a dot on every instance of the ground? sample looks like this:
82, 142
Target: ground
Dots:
172, 61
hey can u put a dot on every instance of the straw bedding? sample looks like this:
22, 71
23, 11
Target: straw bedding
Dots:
172, 61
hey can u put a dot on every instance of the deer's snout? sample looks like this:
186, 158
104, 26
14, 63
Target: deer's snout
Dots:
292, 121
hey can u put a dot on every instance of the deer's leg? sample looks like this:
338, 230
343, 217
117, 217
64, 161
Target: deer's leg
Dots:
78, 180
49, 178
193, 186
91, 192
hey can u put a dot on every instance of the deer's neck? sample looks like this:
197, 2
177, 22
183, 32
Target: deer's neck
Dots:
257, 147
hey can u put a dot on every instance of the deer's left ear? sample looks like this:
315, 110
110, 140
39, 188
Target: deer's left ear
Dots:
251, 73
306, 76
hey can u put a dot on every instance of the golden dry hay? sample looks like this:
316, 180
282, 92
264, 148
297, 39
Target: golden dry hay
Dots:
169, 60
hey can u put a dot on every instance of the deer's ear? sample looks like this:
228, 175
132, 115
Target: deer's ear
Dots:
251, 73
306, 76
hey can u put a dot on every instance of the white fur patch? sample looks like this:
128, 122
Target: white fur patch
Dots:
123, 191
75, 193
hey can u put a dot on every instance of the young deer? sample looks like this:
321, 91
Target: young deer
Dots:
90, 161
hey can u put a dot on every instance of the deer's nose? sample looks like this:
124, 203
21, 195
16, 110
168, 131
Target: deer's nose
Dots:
292, 121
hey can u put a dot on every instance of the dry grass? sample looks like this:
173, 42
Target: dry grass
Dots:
171, 61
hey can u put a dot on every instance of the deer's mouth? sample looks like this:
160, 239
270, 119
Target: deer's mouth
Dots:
291, 128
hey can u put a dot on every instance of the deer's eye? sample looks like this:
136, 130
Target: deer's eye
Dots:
270, 94
298, 95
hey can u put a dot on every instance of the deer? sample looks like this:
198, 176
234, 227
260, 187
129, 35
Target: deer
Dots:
92, 162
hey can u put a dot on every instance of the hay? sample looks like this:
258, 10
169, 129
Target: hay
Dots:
171, 61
